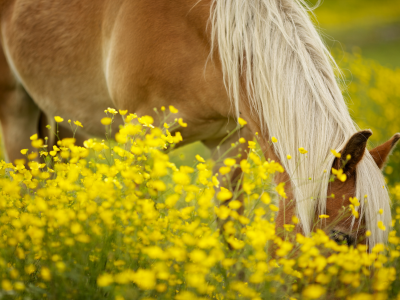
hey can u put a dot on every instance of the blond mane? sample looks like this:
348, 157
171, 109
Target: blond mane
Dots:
273, 46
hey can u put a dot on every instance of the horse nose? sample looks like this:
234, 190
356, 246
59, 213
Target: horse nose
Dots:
342, 238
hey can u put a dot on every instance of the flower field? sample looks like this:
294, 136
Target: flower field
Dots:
119, 220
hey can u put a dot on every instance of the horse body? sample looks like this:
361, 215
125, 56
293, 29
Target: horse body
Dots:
75, 58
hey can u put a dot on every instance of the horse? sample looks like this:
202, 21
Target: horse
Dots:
214, 60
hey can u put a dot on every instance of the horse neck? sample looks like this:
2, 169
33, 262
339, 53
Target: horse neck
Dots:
271, 48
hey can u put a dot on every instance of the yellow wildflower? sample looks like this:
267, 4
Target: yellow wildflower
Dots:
58, 119
180, 121
106, 121
280, 188
323, 216
200, 159
313, 291
229, 162
336, 154
224, 194
302, 150
242, 122
173, 109
339, 174
105, 280
77, 123
381, 226
252, 145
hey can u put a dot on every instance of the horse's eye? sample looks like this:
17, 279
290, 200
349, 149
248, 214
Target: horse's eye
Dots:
342, 238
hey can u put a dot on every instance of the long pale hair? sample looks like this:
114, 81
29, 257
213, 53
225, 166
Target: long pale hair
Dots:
273, 48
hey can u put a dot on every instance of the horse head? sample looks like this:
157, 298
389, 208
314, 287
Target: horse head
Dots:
346, 223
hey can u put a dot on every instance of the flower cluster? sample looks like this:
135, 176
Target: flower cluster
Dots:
119, 220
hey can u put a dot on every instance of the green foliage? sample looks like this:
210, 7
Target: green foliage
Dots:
374, 101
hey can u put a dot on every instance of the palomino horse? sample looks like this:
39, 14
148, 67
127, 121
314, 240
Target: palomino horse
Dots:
214, 60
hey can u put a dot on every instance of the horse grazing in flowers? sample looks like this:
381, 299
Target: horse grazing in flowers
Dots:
216, 61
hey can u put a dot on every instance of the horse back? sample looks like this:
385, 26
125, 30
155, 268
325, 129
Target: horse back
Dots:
77, 57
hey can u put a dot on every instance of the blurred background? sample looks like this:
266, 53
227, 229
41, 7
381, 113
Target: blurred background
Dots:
364, 38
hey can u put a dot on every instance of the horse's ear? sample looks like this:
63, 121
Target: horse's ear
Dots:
381, 153
353, 152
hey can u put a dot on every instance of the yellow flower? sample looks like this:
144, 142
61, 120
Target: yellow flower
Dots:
145, 279
162, 108
336, 154
224, 170
242, 122
281, 189
230, 162
146, 120
354, 211
173, 109
106, 121
323, 216
368, 233
380, 211
295, 220
381, 226
274, 139
37, 143
215, 181
378, 248
45, 273
252, 145
180, 121
289, 157
77, 123
58, 119
354, 201
273, 207
105, 280
288, 227
266, 198
199, 158
339, 174
34, 137
224, 194
313, 291
242, 140
302, 150
235, 204
24, 151
111, 111
6, 285
123, 112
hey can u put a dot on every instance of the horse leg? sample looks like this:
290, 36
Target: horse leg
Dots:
19, 115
